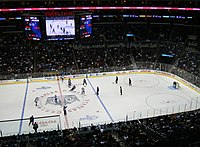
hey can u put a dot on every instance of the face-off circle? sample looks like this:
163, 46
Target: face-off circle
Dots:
166, 100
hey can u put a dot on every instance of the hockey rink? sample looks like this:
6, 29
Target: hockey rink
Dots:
149, 95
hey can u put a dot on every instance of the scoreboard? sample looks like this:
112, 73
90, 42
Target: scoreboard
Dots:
85, 26
32, 28
57, 26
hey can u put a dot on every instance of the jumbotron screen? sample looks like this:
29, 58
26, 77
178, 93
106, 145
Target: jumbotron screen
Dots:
32, 28
60, 28
85, 26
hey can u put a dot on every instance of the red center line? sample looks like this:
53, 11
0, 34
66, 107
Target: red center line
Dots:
62, 103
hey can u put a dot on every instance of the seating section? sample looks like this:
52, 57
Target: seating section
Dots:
109, 46
180, 129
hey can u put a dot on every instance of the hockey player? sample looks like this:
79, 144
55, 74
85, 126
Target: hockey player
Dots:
53, 31
36, 101
83, 91
62, 78
116, 80
56, 99
84, 82
69, 82
120, 89
31, 120
65, 110
174, 84
35, 127
74, 87
129, 82
97, 90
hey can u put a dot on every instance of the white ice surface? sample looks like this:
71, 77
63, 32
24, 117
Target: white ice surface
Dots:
150, 95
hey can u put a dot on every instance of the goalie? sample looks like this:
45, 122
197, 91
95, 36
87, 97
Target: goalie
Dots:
176, 85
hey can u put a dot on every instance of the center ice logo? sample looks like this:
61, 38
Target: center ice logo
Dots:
68, 99
52, 102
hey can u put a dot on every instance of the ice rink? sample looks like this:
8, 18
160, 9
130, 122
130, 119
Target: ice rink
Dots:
149, 95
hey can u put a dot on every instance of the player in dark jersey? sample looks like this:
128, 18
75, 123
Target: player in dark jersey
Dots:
65, 110
69, 82
31, 120
97, 90
120, 89
84, 82
56, 99
116, 80
129, 82
74, 87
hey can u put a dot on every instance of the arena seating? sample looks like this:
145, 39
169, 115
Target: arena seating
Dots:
103, 53
180, 129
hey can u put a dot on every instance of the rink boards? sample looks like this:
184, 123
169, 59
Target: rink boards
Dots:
95, 75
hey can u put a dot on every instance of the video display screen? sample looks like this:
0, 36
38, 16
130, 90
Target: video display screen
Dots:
60, 28
85, 26
32, 28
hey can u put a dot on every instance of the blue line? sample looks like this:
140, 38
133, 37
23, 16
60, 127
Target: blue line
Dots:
24, 103
101, 101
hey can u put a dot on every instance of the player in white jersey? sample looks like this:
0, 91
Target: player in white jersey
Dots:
83, 91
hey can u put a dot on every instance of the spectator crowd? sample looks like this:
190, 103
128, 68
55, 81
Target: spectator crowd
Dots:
104, 49
180, 130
